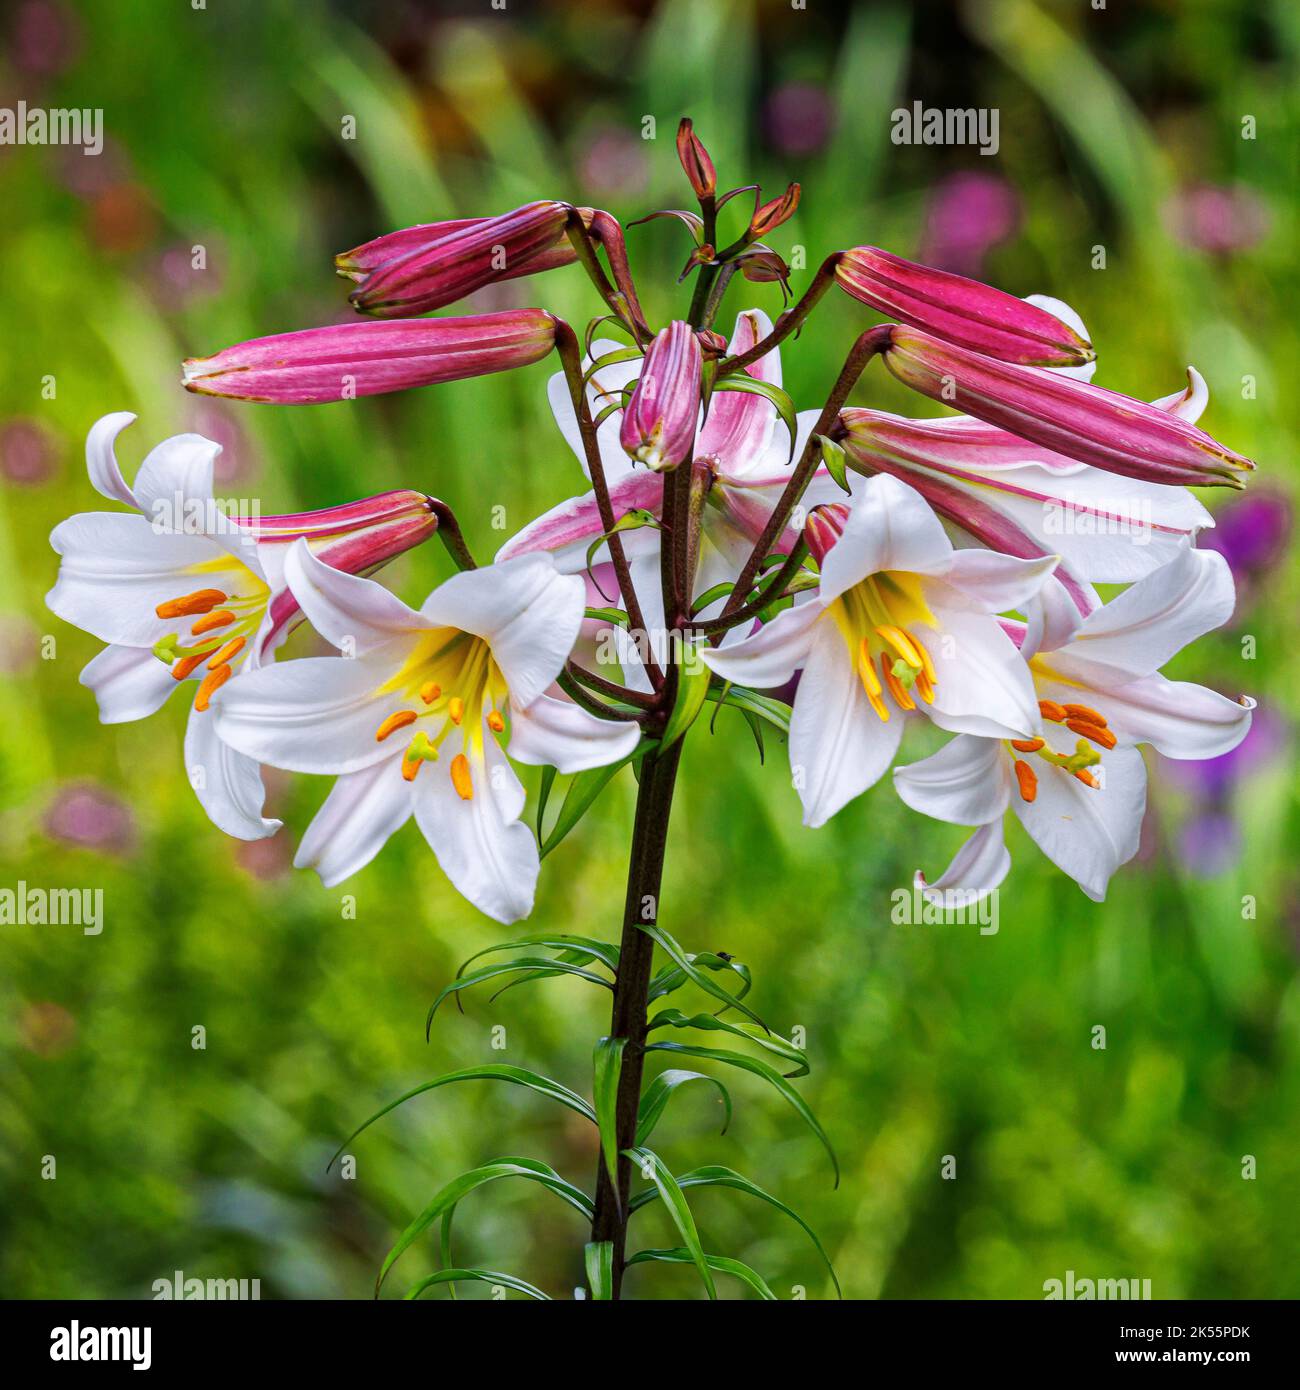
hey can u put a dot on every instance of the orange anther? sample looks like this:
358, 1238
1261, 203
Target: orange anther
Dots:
1086, 713
201, 601
1049, 709
896, 687
222, 617
209, 686
1028, 780
229, 651
460, 778
1093, 731
399, 719
1087, 779
1027, 745
430, 691
410, 767
186, 665
455, 709
496, 722
925, 688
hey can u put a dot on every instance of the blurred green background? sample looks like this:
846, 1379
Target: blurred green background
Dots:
1123, 128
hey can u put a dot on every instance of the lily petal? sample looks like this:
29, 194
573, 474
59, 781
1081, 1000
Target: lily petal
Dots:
889, 527
967, 782
227, 784
128, 683
978, 867
101, 460
770, 656
560, 733
353, 613
983, 686
354, 822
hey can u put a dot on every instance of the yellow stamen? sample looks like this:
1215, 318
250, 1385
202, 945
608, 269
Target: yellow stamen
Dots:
924, 686
399, 719
1086, 713
902, 644
222, 617
1028, 780
410, 766
460, 778
1027, 745
186, 665
455, 709
229, 651
896, 688
1050, 710
927, 665
496, 722
209, 686
430, 691
867, 671
1097, 733
201, 601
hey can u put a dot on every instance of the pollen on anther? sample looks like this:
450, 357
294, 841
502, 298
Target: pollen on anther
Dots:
399, 719
1049, 709
200, 601
209, 686
1086, 713
186, 665
460, 778
227, 653
1098, 733
1088, 779
1027, 745
1028, 780
430, 691
496, 721
455, 709
896, 687
209, 622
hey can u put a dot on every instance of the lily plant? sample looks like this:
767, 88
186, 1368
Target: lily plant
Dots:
835, 575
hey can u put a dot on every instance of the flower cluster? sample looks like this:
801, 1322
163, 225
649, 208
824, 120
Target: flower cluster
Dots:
840, 573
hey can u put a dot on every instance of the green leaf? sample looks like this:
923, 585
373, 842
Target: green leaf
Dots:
517, 1076
769, 1074
711, 596
610, 359
578, 800
672, 977
608, 1065
600, 1269
833, 458
539, 965
543, 796
482, 1276
781, 1047
774, 712
689, 966
608, 615
630, 521
692, 688
587, 946
459, 1188
721, 1263
742, 381
656, 1095
715, 1175
653, 1168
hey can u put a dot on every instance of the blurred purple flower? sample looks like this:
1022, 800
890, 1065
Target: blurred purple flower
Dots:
45, 38
265, 859
1209, 844
1212, 779
798, 118
28, 453
968, 214
20, 645
1217, 218
612, 161
175, 281
215, 420
1251, 533
89, 816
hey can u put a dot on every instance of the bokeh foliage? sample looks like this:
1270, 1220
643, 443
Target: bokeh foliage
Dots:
225, 130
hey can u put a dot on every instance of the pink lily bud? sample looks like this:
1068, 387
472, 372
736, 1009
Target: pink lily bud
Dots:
1081, 421
368, 359
424, 268
695, 160
357, 536
659, 422
959, 310
770, 216
825, 525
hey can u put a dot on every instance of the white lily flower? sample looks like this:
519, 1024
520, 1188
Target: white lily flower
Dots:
901, 622
433, 686
184, 593
1078, 785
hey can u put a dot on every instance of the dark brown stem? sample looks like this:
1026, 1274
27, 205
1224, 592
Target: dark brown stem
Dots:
873, 341
631, 987
773, 590
789, 321
450, 534
611, 688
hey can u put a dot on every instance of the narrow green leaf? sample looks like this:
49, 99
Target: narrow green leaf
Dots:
742, 381
578, 800
608, 615
653, 1168
543, 796
711, 596
540, 964
656, 1095
672, 977
694, 974
630, 521
692, 688
774, 712
722, 1263
482, 1276
769, 1074
517, 1076
610, 359
459, 1188
587, 946
834, 459
715, 1175
781, 1047
608, 1066
600, 1270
